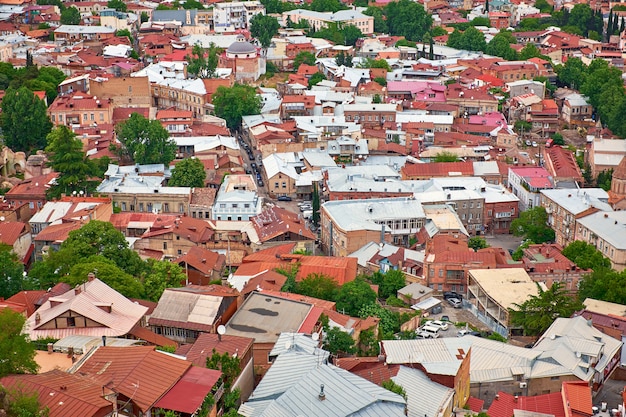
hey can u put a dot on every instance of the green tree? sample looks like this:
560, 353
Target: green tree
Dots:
557, 139
188, 173
380, 22
16, 351
337, 341
543, 6
303, 57
389, 321
108, 272
315, 204
264, 28
585, 256
231, 103
66, 156
445, 157
521, 126
70, 16
126, 33
538, 313
376, 63
202, 62
318, 286
533, 225
144, 17
316, 79
477, 242
354, 295
327, 6
146, 141
192, 4
580, 18
11, 272
230, 365
368, 344
118, 5
529, 51
604, 284
572, 73
351, 34
25, 122
381, 80
159, 276
604, 179
407, 18
500, 45
393, 387
21, 401
393, 280
290, 271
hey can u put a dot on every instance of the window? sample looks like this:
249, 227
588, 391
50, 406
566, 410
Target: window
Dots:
489, 213
132, 207
234, 205
164, 245
276, 185
149, 206
471, 204
222, 205
85, 117
92, 117
284, 185
53, 118
123, 206
179, 251
71, 322
141, 207
464, 205
477, 205
441, 273
181, 208
166, 207
102, 117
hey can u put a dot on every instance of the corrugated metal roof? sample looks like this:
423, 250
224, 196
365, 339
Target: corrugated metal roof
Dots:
187, 395
424, 397
297, 341
186, 309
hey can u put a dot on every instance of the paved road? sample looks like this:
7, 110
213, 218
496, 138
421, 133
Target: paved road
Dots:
504, 241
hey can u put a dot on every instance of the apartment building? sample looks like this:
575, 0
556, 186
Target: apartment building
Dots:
231, 16
318, 20
80, 109
527, 183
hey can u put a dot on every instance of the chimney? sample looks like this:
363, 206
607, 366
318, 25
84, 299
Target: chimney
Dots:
91, 276
203, 260
321, 396
104, 340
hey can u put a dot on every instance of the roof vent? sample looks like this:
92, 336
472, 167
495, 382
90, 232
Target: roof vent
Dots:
321, 395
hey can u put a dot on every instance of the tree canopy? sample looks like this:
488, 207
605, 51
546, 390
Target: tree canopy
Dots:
203, 62
66, 156
389, 283
188, 173
337, 341
471, 39
532, 224
585, 256
70, 16
25, 122
304, 57
231, 103
354, 295
538, 313
146, 141
17, 353
407, 18
11, 272
263, 27
118, 5
477, 242
445, 157
318, 286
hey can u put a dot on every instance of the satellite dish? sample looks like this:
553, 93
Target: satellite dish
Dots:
287, 345
315, 336
221, 329
1, 218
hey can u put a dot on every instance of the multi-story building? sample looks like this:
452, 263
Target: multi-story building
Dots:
348, 225
565, 206
576, 109
80, 109
231, 16
471, 101
77, 33
606, 154
603, 230
140, 188
176, 122
237, 199
122, 91
527, 183
370, 115
318, 20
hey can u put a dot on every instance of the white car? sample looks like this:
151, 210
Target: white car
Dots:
438, 323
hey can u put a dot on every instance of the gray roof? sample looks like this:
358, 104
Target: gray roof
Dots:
187, 308
174, 16
438, 356
241, 47
424, 397
578, 200
345, 393
608, 226
415, 288
300, 342
264, 317
363, 214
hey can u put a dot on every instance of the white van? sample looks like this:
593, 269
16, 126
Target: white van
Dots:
307, 214
431, 330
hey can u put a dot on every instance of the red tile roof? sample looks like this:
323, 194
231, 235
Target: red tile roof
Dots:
475, 404
57, 232
271, 252
29, 299
121, 114
204, 260
577, 397
187, 395
33, 187
80, 397
437, 169
131, 371
505, 403
268, 280
204, 345
308, 325
275, 221
149, 336
11, 231
370, 368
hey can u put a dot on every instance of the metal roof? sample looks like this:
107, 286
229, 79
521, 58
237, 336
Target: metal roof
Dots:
424, 397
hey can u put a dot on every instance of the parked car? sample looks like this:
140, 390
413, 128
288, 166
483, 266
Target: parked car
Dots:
465, 332
423, 335
284, 198
253, 165
452, 294
438, 323
535, 144
445, 318
432, 330
260, 182
306, 207
304, 203
308, 214
528, 143
455, 302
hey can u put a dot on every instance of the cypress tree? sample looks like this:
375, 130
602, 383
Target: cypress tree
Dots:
621, 26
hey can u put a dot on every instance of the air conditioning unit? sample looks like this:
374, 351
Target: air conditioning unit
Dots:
523, 384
